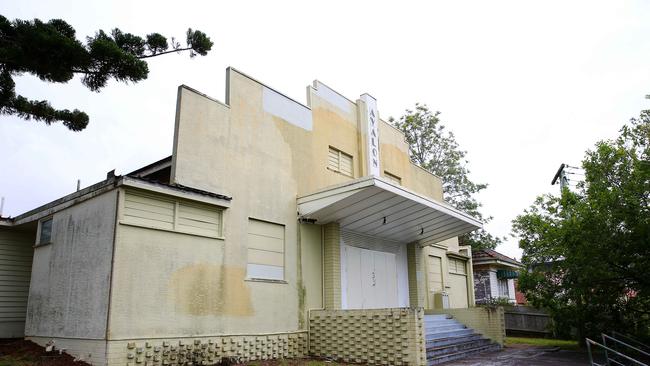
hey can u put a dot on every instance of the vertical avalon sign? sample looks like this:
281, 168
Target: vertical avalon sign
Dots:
372, 134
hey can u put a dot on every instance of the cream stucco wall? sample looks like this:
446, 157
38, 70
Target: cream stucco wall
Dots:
264, 150
311, 250
457, 294
68, 295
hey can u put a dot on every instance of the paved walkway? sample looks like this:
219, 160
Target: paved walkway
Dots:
524, 355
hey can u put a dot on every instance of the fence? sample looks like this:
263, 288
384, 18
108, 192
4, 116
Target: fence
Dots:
526, 320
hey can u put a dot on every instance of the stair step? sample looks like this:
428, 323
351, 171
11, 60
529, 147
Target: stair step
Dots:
458, 355
448, 333
433, 352
433, 343
441, 322
441, 328
437, 317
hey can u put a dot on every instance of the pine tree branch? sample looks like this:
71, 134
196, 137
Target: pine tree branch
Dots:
165, 52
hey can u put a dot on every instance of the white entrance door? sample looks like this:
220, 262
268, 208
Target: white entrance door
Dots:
371, 279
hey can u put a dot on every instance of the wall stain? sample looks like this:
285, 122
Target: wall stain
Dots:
210, 289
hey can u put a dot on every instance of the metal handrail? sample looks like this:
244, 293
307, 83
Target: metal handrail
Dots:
631, 340
605, 337
589, 342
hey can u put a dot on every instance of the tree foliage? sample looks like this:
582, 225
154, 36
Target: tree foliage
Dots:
588, 250
51, 52
434, 148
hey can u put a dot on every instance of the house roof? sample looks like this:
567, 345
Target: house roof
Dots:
136, 179
489, 256
376, 207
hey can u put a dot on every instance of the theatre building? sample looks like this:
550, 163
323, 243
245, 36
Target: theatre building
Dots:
275, 229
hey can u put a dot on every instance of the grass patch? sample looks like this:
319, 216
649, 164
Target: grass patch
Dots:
544, 342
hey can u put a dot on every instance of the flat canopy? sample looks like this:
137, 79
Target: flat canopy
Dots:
379, 208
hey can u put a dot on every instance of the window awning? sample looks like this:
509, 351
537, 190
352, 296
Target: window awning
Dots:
376, 207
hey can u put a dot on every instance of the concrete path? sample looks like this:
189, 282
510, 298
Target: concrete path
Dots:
526, 356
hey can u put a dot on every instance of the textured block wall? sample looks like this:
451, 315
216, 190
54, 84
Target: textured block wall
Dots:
490, 322
377, 337
332, 265
416, 270
207, 350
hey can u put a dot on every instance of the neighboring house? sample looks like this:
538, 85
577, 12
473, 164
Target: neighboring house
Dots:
270, 219
495, 276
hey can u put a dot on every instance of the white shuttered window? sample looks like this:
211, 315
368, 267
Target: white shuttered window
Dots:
339, 162
165, 213
457, 266
265, 250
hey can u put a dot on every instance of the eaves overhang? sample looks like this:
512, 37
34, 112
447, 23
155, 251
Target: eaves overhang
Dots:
110, 184
496, 262
373, 206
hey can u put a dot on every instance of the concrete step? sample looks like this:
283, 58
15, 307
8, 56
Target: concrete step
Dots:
462, 354
433, 352
441, 322
437, 317
440, 342
448, 333
441, 328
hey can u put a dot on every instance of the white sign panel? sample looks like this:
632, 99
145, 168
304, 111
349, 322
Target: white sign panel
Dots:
372, 134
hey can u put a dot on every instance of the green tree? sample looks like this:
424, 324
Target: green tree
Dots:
52, 53
588, 250
434, 148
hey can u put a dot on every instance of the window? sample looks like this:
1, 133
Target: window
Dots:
45, 231
457, 266
265, 250
339, 162
164, 213
434, 272
503, 288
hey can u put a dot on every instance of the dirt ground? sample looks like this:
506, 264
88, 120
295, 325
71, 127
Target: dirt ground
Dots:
18, 352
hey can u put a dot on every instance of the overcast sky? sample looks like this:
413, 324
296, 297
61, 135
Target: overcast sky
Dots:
524, 85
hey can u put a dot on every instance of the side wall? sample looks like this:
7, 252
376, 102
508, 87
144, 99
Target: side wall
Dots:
16, 252
68, 295
490, 322
381, 336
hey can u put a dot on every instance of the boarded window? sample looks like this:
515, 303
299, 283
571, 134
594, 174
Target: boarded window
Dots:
340, 162
434, 273
198, 219
149, 211
457, 266
164, 213
265, 250
392, 178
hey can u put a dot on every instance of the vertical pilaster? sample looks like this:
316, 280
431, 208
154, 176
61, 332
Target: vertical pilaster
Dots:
416, 268
332, 265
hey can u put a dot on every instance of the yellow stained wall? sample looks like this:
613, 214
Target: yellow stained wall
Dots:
395, 160
264, 150
311, 261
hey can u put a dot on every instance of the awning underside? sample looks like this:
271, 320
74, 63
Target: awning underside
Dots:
374, 207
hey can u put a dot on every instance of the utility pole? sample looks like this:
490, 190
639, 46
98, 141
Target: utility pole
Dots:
560, 175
